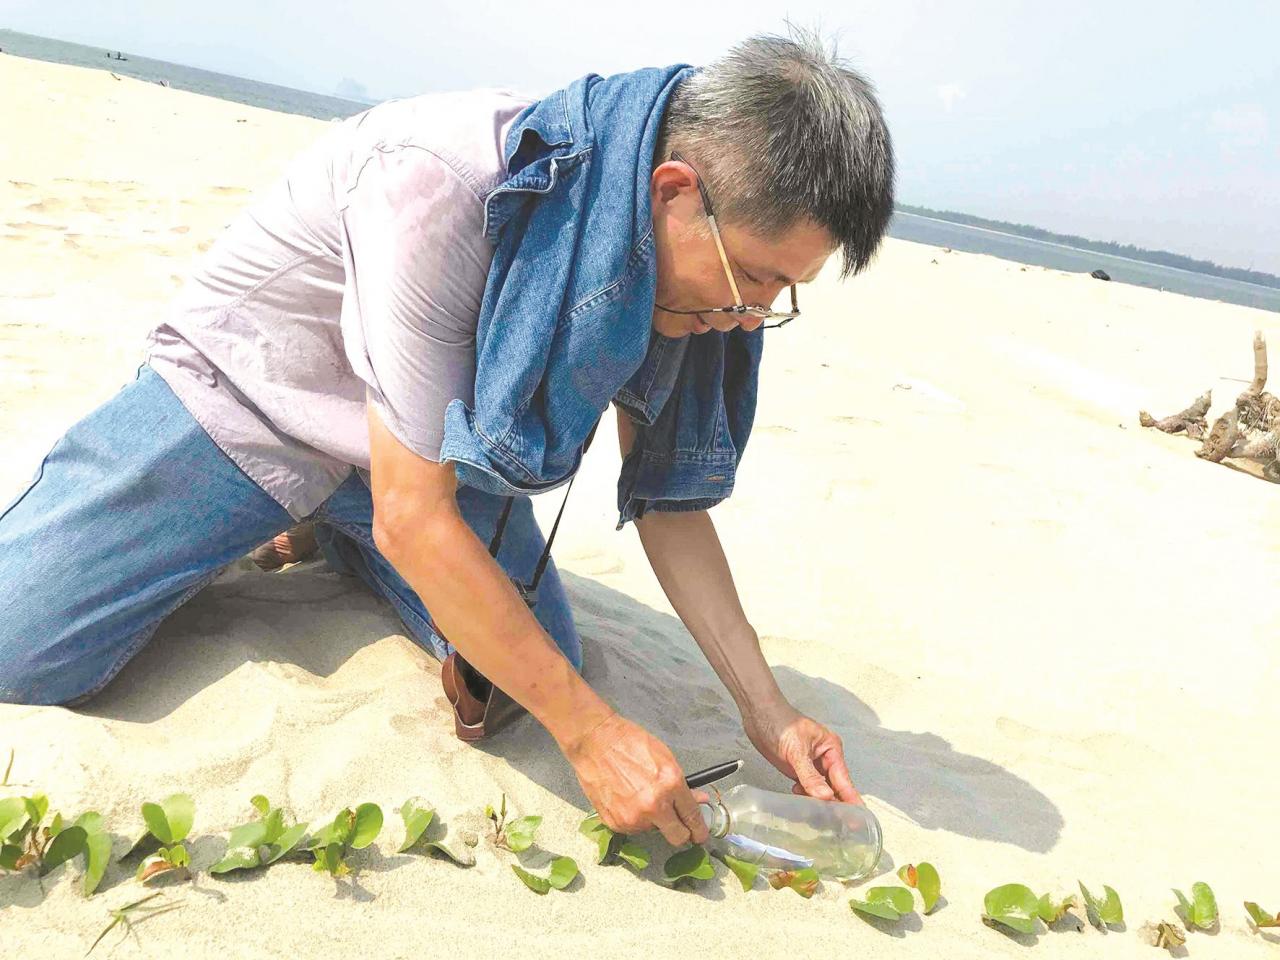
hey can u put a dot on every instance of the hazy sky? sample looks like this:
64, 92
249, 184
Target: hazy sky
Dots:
1149, 123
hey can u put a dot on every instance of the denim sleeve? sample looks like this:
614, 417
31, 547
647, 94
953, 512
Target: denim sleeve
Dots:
416, 263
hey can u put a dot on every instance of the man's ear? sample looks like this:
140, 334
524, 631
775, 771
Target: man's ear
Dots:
673, 182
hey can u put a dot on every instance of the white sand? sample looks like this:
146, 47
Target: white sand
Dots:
1046, 636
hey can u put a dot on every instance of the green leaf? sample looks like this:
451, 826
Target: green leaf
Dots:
635, 855
329, 858
9, 855
803, 882
97, 854
1184, 905
13, 814
1205, 906
929, 884
745, 872
691, 862
519, 833
460, 854
91, 820
1111, 910
336, 832
180, 812
36, 806
593, 829
368, 823
535, 883
55, 827
1013, 905
284, 844
261, 804
417, 817
65, 845
250, 835
1051, 911
1260, 917
1103, 911
237, 858
273, 826
157, 822
563, 870
887, 903
1201, 911
177, 855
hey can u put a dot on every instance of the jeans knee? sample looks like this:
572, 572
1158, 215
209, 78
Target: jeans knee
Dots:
41, 665
25, 680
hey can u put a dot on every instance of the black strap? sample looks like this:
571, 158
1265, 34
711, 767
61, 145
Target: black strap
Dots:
496, 543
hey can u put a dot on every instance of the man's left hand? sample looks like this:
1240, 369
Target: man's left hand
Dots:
803, 750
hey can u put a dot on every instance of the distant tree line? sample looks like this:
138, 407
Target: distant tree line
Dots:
1162, 257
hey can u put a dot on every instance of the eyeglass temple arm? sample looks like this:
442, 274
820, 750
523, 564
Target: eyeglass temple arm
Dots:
715, 229
724, 259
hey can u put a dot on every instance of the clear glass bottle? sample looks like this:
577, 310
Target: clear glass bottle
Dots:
783, 831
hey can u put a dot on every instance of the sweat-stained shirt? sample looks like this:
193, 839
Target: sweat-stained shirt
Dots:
356, 279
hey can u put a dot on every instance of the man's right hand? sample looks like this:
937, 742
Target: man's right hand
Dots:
634, 782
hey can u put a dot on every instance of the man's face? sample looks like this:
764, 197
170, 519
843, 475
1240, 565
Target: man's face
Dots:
690, 274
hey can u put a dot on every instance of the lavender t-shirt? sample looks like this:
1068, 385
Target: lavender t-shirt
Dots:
355, 279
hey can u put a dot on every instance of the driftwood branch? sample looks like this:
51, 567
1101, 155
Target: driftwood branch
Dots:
1191, 420
1250, 431
1223, 436
1259, 363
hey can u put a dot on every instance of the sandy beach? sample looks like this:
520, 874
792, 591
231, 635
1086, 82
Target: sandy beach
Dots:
1046, 635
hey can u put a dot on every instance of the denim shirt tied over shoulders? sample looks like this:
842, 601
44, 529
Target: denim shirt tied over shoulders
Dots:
565, 324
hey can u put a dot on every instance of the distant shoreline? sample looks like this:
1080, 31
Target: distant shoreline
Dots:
1166, 259
209, 83
1114, 256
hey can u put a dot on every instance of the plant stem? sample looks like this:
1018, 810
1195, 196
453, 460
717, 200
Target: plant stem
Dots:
121, 916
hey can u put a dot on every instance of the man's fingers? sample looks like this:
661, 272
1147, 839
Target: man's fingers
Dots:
675, 832
832, 762
690, 816
814, 783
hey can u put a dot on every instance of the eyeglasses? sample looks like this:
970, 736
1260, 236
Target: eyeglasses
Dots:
739, 309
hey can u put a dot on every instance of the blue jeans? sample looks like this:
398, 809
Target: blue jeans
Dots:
135, 510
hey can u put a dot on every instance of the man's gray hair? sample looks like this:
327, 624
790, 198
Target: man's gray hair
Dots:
782, 131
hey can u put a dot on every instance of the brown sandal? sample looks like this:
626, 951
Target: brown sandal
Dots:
294, 545
480, 709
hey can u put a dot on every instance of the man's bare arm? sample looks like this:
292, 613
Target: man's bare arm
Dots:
419, 529
690, 564
631, 777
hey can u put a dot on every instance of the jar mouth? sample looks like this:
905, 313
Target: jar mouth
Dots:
716, 816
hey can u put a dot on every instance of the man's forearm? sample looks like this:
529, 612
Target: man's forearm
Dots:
687, 558
479, 611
